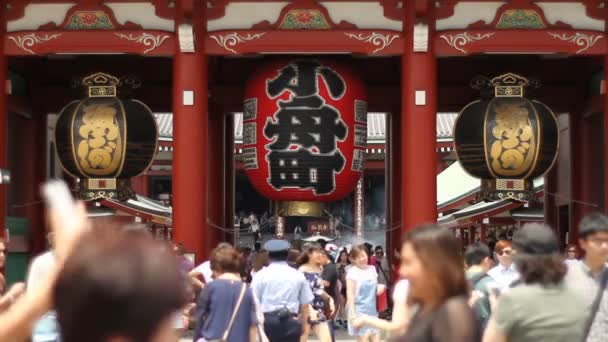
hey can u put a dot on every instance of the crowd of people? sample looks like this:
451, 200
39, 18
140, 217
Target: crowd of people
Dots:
109, 283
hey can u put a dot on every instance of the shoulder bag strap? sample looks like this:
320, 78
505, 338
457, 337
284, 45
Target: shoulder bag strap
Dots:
379, 266
234, 312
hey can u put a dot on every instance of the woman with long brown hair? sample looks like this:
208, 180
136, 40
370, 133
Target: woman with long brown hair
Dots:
431, 260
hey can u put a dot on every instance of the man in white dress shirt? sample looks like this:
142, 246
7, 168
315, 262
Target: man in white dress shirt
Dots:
504, 274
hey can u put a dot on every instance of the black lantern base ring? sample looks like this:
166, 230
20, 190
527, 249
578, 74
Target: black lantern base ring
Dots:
521, 190
105, 188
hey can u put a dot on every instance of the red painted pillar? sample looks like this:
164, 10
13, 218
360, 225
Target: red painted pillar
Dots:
190, 135
215, 181
606, 134
418, 126
28, 173
3, 120
483, 234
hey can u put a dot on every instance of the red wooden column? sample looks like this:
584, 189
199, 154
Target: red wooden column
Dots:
28, 173
606, 134
215, 181
3, 120
418, 126
483, 234
190, 132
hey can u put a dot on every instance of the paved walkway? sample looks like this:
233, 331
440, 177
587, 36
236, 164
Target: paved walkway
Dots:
341, 336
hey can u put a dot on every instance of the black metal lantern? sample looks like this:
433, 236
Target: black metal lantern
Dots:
105, 140
506, 139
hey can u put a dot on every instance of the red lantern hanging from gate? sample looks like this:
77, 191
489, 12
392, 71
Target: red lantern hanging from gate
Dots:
304, 130
506, 139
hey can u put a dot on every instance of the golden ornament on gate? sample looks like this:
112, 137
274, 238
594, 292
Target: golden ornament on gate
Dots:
302, 208
506, 139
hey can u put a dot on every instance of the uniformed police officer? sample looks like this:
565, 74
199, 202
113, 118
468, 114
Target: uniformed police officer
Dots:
284, 295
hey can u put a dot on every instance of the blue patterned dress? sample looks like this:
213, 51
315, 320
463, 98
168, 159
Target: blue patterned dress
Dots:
318, 304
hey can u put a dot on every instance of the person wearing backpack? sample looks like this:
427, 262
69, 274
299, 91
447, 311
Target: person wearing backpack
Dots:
479, 261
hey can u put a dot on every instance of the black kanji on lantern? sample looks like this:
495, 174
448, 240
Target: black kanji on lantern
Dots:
304, 151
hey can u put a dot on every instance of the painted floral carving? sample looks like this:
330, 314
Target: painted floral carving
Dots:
379, 40
27, 41
231, 40
520, 19
580, 39
458, 41
148, 40
93, 20
297, 19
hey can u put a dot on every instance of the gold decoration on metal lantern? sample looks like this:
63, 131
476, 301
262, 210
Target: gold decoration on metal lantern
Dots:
105, 140
506, 139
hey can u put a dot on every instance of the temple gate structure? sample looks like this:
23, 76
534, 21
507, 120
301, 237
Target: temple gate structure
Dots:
416, 57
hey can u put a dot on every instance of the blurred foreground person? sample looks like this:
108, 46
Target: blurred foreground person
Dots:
432, 262
596, 329
7, 298
479, 260
3, 252
226, 308
584, 276
542, 307
17, 322
46, 329
284, 296
132, 295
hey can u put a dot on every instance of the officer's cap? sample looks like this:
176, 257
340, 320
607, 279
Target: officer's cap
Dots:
276, 246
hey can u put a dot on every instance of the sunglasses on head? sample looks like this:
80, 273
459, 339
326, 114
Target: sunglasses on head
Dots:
505, 252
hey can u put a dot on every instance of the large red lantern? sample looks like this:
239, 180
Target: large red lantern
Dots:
304, 130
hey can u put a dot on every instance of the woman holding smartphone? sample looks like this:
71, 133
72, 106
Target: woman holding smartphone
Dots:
361, 291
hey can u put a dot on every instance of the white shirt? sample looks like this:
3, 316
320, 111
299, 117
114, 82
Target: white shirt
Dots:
205, 270
400, 292
504, 276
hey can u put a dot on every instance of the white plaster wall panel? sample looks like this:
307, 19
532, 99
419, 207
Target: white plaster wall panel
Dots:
142, 14
243, 15
466, 13
365, 15
571, 13
36, 15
